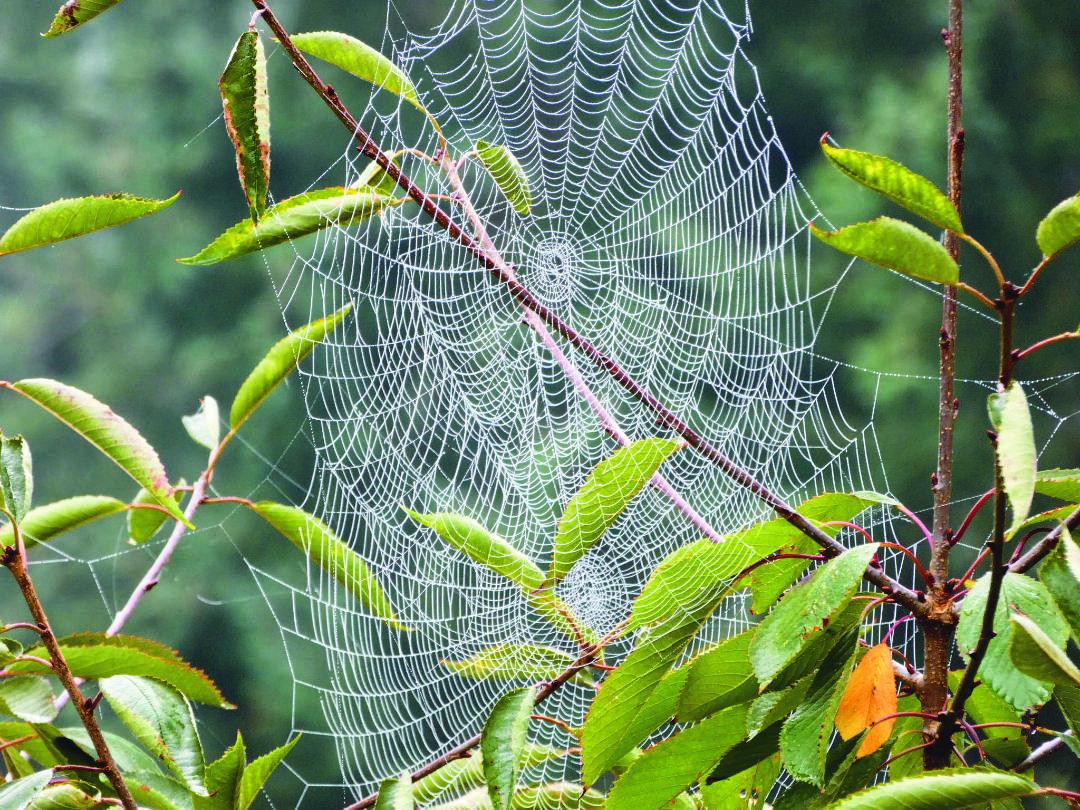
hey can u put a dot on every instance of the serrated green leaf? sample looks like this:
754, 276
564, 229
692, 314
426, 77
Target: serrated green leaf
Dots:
1015, 449
625, 710
27, 697
204, 426
19, 793
106, 431
1060, 573
718, 678
669, 768
461, 775
94, 656
9, 649
895, 245
68, 218
279, 363
246, 103
67, 796
745, 754
1033, 653
223, 779
515, 661
508, 175
291, 219
314, 538
144, 523
986, 709
359, 59
607, 492
259, 770
43, 523
16, 476
940, 790
482, 546
997, 670
805, 612
395, 794
743, 791
1062, 484
555, 610
1060, 228
897, 183
502, 744
161, 719
561, 795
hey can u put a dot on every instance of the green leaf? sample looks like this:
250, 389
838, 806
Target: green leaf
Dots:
1068, 700
515, 661
223, 779
718, 678
482, 546
74, 13
359, 59
45, 522
17, 794
804, 739
16, 476
376, 180
547, 604
1009, 744
291, 219
1033, 653
897, 183
460, 775
66, 219
396, 794
1060, 228
94, 656
106, 431
143, 523
997, 670
27, 697
502, 744
315, 539
204, 426
669, 768
940, 790
161, 719
805, 612
897, 246
279, 363
607, 492
552, 796
9, 649
256, 773
743, 791
247, 118
1062, 484
67, 796
625, 710
508, 175
1015, 449
759, 747
1060, 573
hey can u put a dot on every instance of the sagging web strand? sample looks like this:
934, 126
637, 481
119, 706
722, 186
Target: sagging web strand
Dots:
670, 230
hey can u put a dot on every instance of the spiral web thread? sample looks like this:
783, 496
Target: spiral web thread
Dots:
667, 228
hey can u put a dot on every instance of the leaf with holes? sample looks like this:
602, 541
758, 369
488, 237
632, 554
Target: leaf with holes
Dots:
314, 538
291, 219
508, 175
161, 719
607, 492
16, 476
246, 104
359, 59
279, 363
1015, 449
1060, 228
66, 219
108, 432
897, 183
43, 523
870, 696
502, 744
895, 245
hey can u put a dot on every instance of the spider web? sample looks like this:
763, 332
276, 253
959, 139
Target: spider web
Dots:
669, 229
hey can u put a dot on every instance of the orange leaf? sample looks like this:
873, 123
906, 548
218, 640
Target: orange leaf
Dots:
870, 695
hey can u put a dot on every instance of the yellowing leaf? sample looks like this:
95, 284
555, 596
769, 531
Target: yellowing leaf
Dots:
870, 695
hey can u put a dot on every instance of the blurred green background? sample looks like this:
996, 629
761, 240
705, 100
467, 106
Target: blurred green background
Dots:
130, 103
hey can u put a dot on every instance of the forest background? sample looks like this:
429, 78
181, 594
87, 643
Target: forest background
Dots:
80, 115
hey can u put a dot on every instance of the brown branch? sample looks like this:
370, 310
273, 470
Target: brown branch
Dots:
14, 561
665, 417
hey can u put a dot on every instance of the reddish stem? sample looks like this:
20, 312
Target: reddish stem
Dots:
970, 515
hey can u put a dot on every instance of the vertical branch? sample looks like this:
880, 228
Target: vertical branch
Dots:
938, 630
